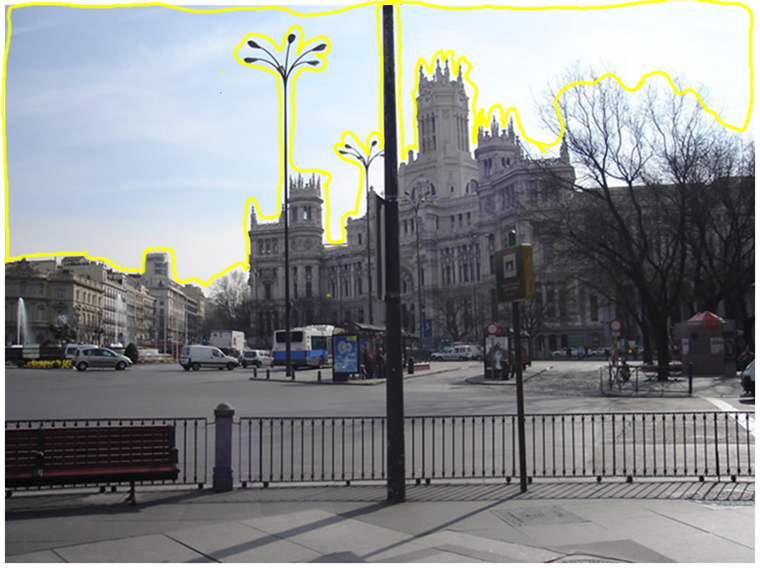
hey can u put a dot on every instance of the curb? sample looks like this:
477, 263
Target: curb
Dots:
354, 382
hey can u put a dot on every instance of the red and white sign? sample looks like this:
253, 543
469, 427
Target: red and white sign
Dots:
492, 329
616, 326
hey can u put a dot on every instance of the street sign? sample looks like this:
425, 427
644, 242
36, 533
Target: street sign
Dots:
514, 274
427, 328
616, 326
492, 329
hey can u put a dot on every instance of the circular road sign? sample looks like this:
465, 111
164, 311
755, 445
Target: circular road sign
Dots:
492, 329
616, 326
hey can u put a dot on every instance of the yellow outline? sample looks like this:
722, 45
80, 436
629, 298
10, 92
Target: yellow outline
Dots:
480, 115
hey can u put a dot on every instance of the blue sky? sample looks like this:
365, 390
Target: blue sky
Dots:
136, 127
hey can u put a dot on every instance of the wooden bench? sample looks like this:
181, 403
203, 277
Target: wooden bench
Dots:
77, 455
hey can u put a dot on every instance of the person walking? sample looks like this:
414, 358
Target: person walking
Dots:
380, 360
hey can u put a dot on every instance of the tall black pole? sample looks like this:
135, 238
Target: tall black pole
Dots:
420, 325
394, 384
517, 361
369, 255
287, 245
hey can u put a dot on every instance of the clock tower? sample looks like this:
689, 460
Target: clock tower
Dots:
442, 113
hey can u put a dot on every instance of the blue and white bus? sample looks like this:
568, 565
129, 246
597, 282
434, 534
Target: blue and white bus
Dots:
310, 346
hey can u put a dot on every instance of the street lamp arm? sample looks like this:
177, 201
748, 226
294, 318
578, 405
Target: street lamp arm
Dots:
255, 45
298, 61
261, 60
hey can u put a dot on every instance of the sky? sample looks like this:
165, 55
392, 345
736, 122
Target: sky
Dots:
139, 128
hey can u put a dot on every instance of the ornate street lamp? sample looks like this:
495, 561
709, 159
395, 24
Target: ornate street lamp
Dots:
284, 71
416, 198
365, 161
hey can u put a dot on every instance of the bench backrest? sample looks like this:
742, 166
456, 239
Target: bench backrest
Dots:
89, 446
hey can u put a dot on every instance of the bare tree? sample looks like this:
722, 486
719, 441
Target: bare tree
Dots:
231, 305
640, 159
453, 314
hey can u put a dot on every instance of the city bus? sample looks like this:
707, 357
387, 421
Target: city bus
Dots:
310, 346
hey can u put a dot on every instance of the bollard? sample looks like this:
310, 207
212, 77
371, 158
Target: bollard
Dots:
223, 416
691, 376
411, 366
319, 376
267, 373
255, 371
292, 373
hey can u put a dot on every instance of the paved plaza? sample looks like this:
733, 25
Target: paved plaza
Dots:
649, 520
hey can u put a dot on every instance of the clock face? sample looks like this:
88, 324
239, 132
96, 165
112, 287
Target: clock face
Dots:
426, 100
462, 100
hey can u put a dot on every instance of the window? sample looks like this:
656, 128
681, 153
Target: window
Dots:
594, 307
59, 293
469, 218
548, 254
307, 213
308, 289
267, 291
360, 238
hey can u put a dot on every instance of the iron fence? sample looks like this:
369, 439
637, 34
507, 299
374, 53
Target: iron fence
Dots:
643, 444
191, 438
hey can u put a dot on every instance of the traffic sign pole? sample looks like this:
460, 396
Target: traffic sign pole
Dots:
519, 385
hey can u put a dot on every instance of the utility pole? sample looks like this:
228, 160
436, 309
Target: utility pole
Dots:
394, 383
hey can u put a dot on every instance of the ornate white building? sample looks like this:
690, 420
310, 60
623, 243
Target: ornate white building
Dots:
455, 210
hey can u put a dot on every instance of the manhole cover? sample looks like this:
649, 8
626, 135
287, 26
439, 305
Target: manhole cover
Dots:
537, 516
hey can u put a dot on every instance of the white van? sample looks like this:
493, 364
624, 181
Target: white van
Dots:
456, 353
196, 356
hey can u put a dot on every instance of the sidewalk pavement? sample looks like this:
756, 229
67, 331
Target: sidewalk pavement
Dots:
567, 521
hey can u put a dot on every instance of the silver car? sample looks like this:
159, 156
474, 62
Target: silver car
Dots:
257, 358
89, 356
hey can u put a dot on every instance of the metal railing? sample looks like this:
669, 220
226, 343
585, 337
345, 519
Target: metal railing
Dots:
642, 444
191, 439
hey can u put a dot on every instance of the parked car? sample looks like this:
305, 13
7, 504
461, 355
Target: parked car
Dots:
257, 358
91, 356
568, 352
71, 349
748, 379
196, 356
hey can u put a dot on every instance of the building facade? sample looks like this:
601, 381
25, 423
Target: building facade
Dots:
456, 207
91, 302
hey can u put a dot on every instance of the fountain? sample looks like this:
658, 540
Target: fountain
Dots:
23, 332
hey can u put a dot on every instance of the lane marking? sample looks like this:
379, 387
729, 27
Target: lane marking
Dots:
748, 424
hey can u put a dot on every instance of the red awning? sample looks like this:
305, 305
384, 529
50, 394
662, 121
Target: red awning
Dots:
707, 319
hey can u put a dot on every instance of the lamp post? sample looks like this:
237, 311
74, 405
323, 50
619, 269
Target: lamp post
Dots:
365, 161
416, 199
284, 71
473, 237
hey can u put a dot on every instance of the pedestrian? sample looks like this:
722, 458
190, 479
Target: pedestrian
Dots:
369, 363
380, 360
496, 363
